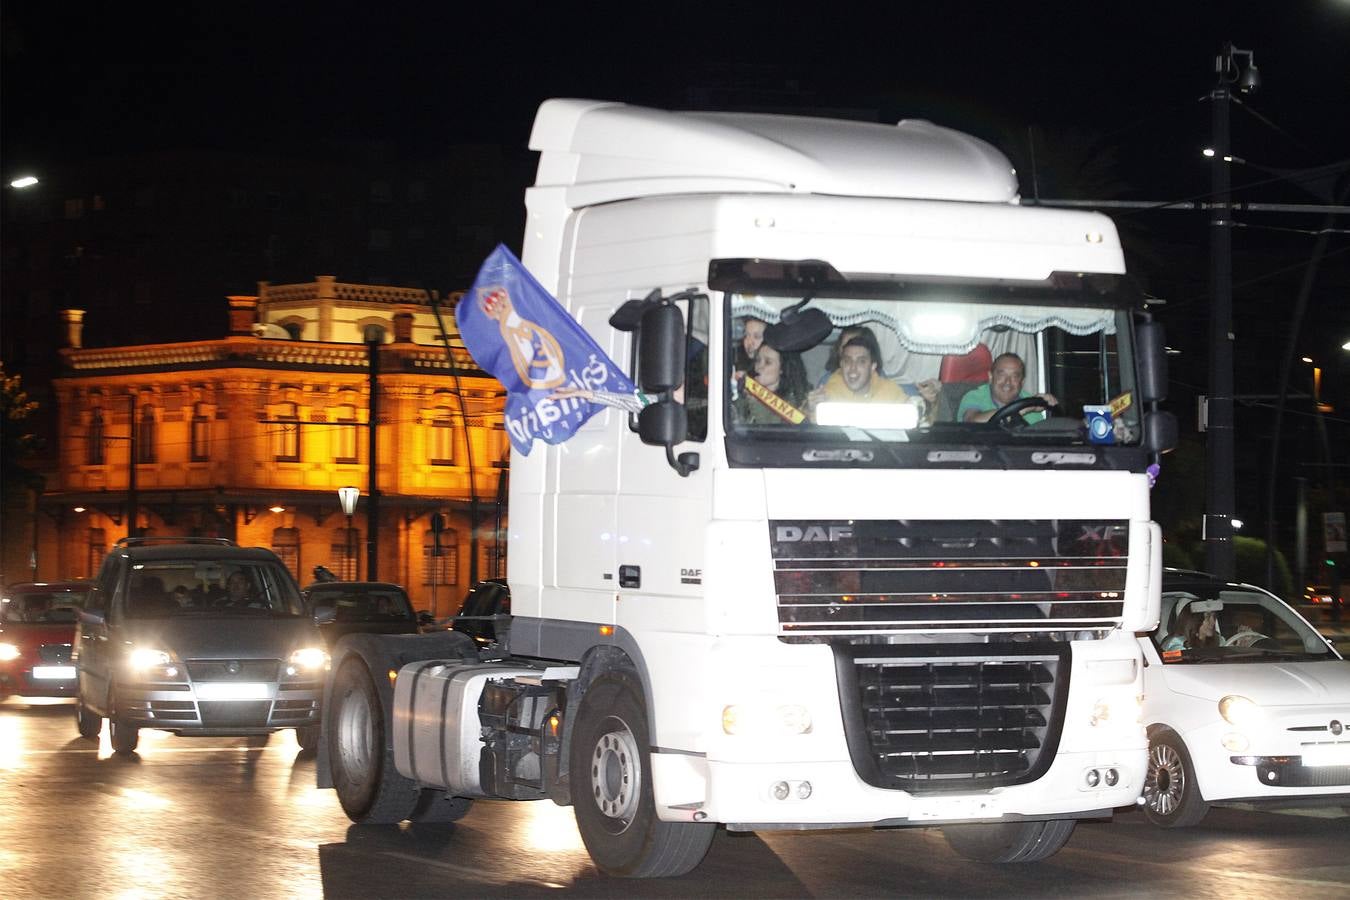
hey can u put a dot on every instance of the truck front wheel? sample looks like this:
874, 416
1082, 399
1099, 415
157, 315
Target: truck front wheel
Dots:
612, 790
1009, 842
360, 755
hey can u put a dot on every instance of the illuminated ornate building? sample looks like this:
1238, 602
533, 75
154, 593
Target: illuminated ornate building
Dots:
250, 436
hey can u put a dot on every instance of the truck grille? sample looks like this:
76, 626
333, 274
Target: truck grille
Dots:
877, 576
939, 717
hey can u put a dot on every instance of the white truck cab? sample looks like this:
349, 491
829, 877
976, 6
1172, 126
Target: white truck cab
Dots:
812, 587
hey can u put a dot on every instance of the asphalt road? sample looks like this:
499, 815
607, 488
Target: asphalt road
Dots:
208, 818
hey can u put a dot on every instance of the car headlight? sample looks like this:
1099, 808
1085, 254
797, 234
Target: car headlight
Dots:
308, 659
8, 652
143, 658
1240, 711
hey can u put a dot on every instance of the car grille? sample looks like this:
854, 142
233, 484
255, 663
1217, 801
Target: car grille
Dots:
860, 577
244, 669
58, 654
940, 717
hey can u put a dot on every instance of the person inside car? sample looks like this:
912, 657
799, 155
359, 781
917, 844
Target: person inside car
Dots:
1193, 630
1245, 626
239, 593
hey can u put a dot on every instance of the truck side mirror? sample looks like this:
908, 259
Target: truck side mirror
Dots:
1152, 362
661, 349
664, 424
1160, 431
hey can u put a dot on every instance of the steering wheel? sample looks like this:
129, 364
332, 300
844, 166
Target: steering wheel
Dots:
1011, 414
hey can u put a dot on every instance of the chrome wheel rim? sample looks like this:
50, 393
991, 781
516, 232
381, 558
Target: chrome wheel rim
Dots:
355, 733
616, 774
1166, 781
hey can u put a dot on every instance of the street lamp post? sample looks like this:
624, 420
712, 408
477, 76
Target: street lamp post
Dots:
374, 336
347, 497
1220, 490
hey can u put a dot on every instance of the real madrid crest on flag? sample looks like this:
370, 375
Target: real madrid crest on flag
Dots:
518, 333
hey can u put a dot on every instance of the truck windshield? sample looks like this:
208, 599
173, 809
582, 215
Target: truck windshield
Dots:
975, 369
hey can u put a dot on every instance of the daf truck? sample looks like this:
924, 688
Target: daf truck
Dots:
841, 614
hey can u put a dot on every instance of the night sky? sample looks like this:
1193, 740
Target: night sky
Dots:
1110, 95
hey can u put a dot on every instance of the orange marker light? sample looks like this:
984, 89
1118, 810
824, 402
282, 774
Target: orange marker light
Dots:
606, 630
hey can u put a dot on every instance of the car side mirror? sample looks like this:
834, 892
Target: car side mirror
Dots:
324, 615
425, 619
92, 616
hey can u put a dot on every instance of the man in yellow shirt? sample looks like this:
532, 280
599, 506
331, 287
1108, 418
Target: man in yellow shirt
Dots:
858, 378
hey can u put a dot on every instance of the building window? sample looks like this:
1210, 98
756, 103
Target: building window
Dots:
93, 450
294, 329
286, 545
441, 442
98, 549
286, 436
201, 433
494, 560
345, 434
145, 436
443, 569
345, 550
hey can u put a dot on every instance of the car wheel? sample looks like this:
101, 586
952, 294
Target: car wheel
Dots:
360, 754
1171, 794
1009, 842
86, 721
308, 738
612, 789
125, 737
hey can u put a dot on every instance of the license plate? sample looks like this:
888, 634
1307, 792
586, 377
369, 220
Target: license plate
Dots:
945, 808
1326, 755
54, 673
232, 690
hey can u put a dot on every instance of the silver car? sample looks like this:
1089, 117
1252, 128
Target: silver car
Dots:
197, 637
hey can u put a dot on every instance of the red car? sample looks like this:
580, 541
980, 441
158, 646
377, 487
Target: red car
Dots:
37, 626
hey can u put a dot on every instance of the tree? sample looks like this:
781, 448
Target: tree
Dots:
19, 485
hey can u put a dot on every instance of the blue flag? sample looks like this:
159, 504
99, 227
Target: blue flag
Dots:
552, 369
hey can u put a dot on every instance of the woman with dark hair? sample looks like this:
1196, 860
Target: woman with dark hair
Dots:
777, 391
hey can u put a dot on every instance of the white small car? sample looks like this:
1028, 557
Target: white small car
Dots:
1244, 702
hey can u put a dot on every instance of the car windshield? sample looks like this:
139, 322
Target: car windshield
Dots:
45, 607
935, 368
165, 588
361, 604
1223, 623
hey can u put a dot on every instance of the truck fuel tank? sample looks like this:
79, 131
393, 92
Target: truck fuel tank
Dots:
438, 734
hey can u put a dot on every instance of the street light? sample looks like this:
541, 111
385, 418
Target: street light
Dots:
24, 181
347, 497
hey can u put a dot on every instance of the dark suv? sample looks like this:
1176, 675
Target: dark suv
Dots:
198, 637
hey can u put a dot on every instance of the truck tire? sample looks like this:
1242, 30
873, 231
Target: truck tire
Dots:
125, 738
361, 754
89, 723
612, 789
1171, 793
308, 738
1009, 842
434, 808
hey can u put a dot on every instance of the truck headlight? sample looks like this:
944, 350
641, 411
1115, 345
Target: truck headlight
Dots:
1240, 711
8, 652
143, 658
308, 659
766, 721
